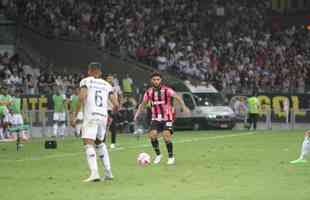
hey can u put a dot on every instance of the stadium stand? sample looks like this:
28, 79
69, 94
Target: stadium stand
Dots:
231, 45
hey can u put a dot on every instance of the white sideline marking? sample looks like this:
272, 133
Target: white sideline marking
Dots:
130, 147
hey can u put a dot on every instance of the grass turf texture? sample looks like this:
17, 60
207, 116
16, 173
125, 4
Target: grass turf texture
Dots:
216, 165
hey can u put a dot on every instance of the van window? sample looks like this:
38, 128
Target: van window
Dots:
188, 101
209, 99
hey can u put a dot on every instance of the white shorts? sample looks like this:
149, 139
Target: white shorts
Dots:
16, 119
7, 117
94, 129
61, 117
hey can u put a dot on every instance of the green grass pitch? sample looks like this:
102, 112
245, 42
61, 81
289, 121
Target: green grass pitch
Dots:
215, 165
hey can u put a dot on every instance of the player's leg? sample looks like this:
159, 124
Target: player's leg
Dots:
14, 123
103, 150
305, 148
113, 132
105, 159
91, 160
62, 128
55, 125
20, 121
250, 120
306, 145
89, 136
247, 121
167, 134
255, 117
78, 129
78, 126
75, 128
1, 129
7, 123
153, 136
287, 115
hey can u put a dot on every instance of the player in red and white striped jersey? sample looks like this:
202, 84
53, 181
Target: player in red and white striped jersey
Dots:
161, 99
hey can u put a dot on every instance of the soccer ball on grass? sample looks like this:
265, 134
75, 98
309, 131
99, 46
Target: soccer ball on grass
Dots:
144, 159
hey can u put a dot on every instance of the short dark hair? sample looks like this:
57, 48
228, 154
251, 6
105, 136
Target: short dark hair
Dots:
19, 90
95, 66
156, 74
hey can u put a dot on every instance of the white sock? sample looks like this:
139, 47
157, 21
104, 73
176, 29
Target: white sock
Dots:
55, 128
91, 158
104, 156
78, 129
1, 133
305, 148
62, 129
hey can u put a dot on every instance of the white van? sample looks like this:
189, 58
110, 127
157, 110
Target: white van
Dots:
207, 105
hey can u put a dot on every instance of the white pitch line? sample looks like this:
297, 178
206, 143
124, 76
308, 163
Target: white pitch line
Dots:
131, 147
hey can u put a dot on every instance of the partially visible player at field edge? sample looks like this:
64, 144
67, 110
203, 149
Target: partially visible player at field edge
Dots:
59, 116
73, 108
94, 95
5, 100
161, 99
305, 148
112, 115
16, 118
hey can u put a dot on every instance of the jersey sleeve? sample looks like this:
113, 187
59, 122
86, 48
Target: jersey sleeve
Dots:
110, 89
171, 92
146, 97
83, 83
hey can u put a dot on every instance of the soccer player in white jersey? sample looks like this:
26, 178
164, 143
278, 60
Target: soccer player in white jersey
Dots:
305, 149
93, 97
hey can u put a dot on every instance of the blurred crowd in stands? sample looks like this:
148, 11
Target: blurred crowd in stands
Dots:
33, 81
15, 75
229, 43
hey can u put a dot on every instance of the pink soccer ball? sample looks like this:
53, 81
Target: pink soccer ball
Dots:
144, 159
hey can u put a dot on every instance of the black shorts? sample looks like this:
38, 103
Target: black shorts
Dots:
161, 126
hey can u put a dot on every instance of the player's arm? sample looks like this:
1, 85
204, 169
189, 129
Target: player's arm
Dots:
259, 106
120, 99
180, 101
66, 103
6, 102
140, 109
141, 106
114, 99
81, 99
72, 114
69, 100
